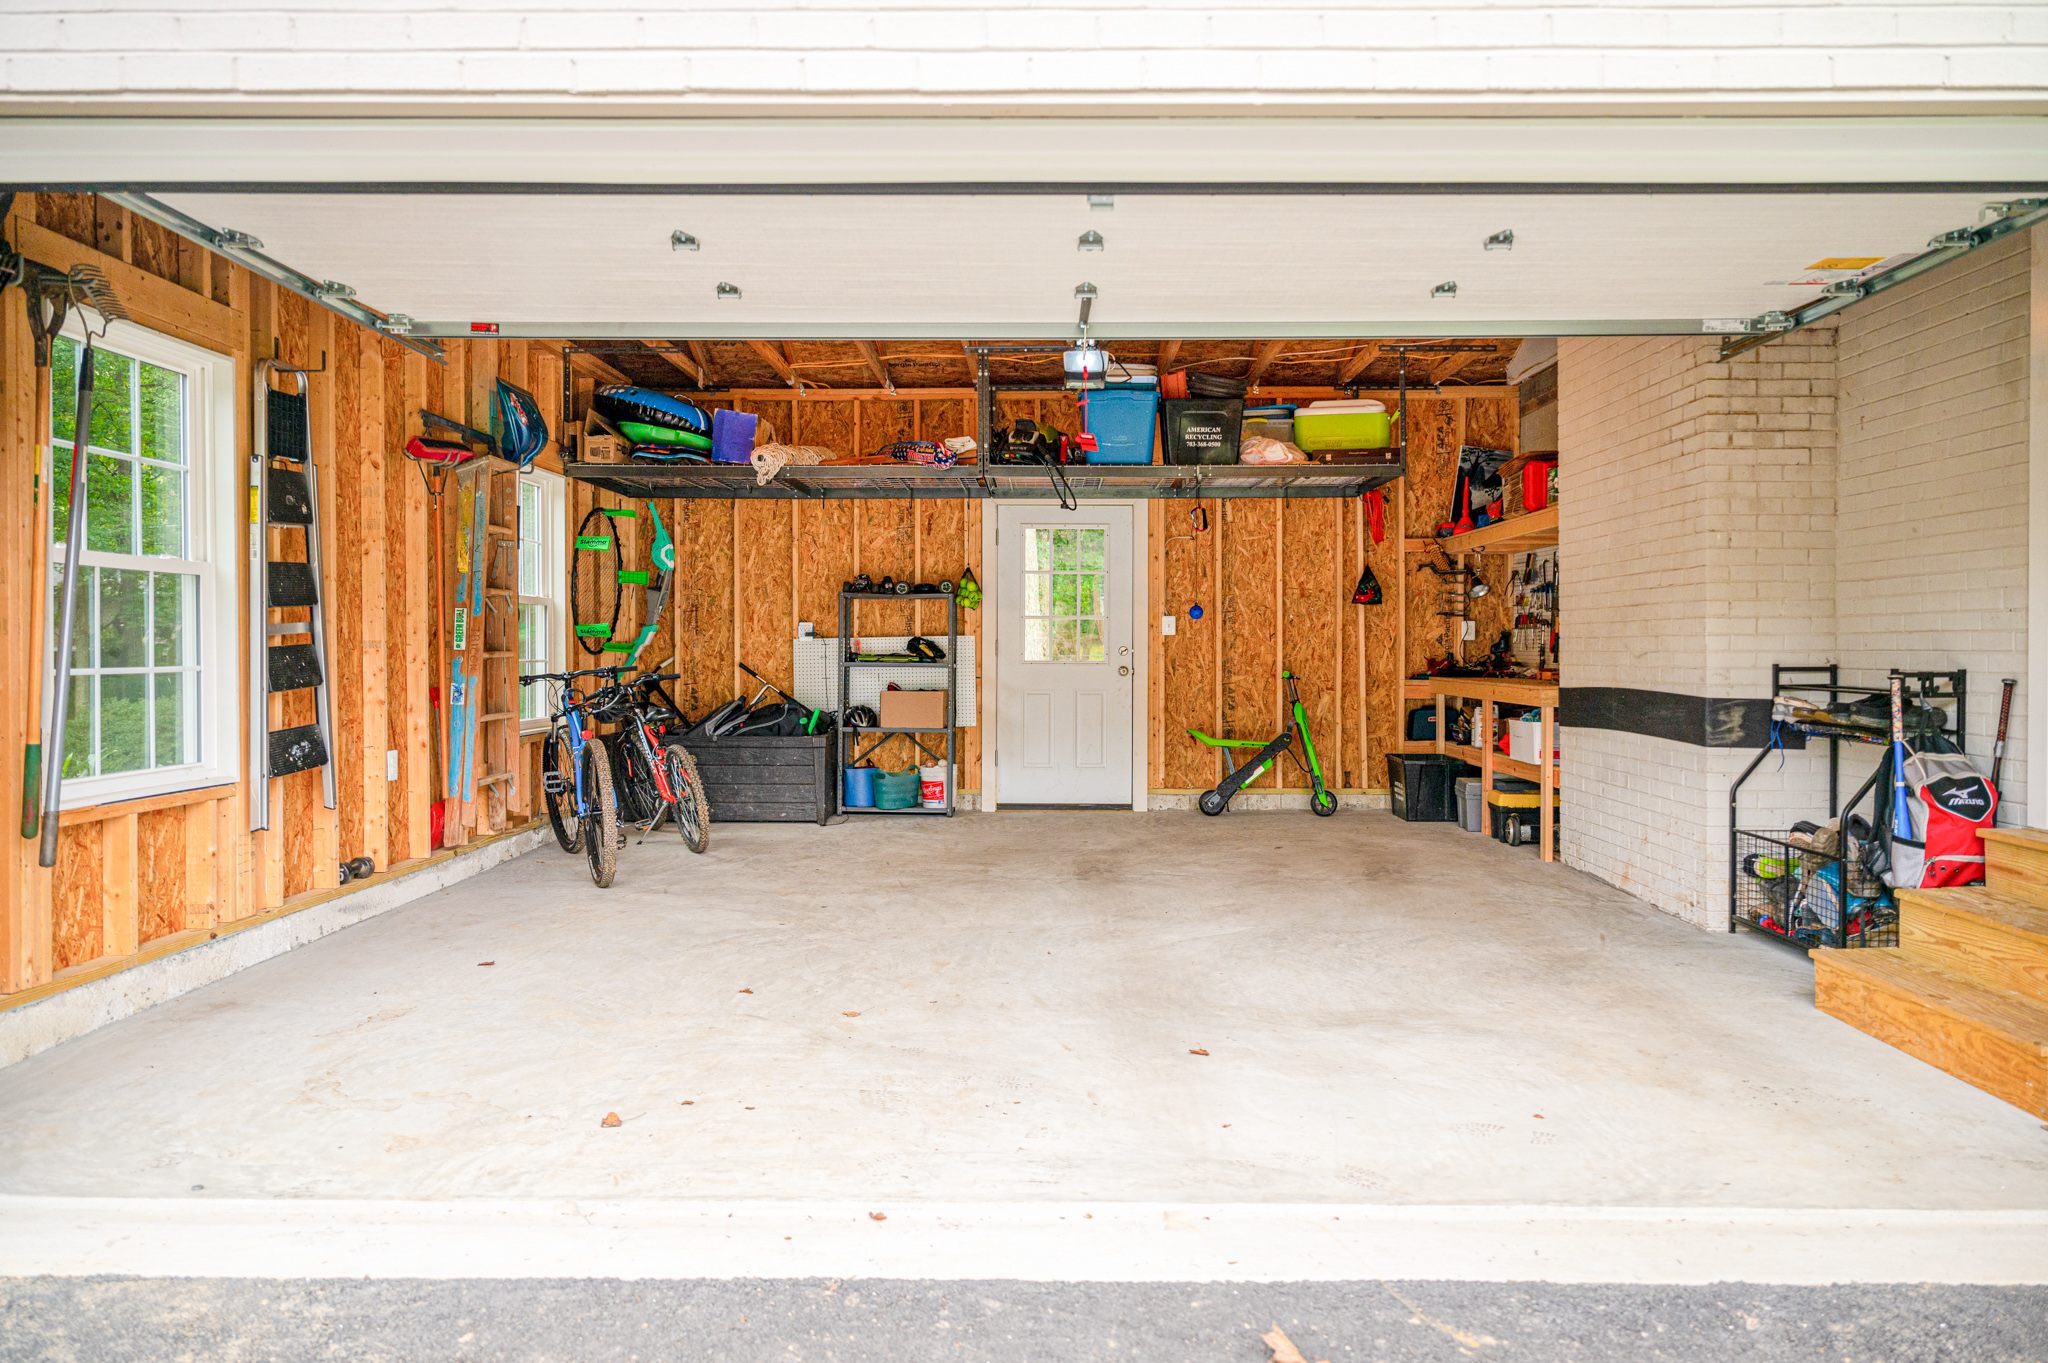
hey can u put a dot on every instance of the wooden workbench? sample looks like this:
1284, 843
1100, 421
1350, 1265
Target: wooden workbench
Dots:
1491, 691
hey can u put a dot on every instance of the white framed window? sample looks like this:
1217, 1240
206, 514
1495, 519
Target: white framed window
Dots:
155, 686
543, 609
1066, 593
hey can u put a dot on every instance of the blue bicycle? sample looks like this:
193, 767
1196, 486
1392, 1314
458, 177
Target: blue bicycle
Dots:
576, 773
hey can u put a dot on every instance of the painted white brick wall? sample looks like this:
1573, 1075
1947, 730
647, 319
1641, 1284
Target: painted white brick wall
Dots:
1713, 520
1696, 518
946, 51
1931, 559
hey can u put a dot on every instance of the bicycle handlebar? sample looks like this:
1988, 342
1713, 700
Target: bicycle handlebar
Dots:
529, 678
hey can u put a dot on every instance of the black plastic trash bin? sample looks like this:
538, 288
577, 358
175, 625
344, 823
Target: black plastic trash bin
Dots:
1422, 785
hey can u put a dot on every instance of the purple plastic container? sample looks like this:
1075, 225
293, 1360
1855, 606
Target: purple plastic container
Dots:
732, 436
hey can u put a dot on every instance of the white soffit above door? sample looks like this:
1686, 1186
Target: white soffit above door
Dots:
1189, 264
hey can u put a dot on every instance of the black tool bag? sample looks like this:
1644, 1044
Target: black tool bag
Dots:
726, 719
778, 719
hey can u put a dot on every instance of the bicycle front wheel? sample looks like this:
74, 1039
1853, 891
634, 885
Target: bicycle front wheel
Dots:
601, 814
692, 809
558, 785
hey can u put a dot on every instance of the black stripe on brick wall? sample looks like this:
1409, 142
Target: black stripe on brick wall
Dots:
1703, 721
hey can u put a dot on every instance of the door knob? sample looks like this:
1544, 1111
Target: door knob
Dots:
1123, 671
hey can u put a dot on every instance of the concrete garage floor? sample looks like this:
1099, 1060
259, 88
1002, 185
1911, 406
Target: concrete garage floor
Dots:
1456, 1103
1003, 1008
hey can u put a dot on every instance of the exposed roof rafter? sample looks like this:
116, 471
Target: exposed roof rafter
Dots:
1268, 351
1451, 364
1367, 352
880, 370
685, 368
701, 353
1169, 351
777, 361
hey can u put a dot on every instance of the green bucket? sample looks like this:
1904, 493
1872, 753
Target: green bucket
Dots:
896, 789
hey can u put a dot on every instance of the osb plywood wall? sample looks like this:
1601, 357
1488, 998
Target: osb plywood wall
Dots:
749, 571
140, 876
1274, 579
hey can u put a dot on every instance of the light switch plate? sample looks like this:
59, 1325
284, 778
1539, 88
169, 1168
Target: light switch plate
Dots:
1166, 624
391, 764
1471, 629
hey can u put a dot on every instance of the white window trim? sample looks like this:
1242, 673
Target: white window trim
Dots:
211, 482
554, 540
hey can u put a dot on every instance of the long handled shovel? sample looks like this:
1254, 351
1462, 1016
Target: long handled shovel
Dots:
74, 544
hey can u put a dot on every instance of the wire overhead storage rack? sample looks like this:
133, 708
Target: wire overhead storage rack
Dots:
980, 479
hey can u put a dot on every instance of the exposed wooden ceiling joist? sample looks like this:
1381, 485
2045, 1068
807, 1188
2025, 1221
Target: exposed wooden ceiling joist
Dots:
685, 368
1169, 351
1360, 361
776, 360
1262, 360
596, 364
875, 365
701, 353
1451, 364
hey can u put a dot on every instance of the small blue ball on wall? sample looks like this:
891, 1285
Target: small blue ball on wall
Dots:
1194, 612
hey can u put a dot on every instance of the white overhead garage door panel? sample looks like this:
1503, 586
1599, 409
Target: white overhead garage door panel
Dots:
980, 265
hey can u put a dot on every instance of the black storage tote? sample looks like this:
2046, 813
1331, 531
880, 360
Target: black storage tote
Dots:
1201, 430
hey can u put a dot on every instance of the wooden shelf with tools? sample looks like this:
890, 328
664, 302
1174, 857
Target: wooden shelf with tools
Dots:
1489, 692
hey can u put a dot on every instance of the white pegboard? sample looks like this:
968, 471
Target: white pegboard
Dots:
817, 674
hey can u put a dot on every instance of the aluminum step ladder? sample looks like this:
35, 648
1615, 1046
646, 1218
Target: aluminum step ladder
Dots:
284, 493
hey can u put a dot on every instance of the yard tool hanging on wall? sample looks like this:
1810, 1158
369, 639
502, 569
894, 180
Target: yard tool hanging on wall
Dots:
52, 295
47, 303
284, 497
662, 569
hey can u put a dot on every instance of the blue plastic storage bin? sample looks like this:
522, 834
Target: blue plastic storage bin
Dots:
860, 787
1120, 417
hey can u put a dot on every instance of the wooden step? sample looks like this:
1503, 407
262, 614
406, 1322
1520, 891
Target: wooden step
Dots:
2016, 861
1995, 1040
1995, 937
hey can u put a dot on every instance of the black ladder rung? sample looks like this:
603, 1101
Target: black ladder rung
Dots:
293, 667
293, 584
289, 430
291, 498
300, 749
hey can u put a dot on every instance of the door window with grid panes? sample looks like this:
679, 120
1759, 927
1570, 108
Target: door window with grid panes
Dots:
1066, 593
541, 569
141, 688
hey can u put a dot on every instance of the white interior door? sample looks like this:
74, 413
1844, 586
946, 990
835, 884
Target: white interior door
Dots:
1065, 673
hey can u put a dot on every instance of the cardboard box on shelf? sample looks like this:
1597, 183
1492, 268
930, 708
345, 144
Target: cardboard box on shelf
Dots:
600, 443
913, 709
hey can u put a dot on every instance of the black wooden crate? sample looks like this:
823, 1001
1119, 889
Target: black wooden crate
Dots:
769, 780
